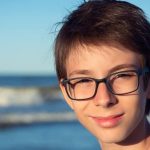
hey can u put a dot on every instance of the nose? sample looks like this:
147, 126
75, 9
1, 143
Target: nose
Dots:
103, 97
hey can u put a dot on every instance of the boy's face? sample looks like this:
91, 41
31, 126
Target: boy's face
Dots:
111, 118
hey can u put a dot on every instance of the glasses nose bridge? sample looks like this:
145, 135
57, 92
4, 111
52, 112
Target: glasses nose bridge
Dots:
103, 80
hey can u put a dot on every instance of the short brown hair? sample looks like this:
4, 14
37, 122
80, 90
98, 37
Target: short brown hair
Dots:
103, 21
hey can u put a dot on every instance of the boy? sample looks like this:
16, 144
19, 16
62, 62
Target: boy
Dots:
102, 56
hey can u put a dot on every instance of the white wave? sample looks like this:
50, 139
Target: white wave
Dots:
36, 117
26, 96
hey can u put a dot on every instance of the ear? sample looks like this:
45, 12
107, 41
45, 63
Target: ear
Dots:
148, 90
67, 99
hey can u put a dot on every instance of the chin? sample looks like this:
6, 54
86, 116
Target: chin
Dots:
113, 135
111, 138
114, 139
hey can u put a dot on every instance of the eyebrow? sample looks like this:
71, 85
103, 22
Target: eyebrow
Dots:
80, 72
113, 69
122, 66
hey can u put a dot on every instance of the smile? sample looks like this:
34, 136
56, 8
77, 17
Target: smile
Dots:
109, 121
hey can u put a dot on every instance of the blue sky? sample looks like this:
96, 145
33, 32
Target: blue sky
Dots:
26, 38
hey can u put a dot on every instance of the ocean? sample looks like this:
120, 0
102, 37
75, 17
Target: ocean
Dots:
34, 116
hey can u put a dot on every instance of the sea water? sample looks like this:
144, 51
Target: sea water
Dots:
48, 135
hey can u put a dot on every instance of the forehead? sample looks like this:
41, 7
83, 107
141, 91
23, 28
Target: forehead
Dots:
101, 58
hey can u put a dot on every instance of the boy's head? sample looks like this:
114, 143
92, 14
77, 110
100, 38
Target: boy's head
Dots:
103, 22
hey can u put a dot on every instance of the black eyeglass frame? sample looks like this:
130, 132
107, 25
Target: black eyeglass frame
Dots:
105, 80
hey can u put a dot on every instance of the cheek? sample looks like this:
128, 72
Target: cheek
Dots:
81, 109
134, 105
137, 101
80, 105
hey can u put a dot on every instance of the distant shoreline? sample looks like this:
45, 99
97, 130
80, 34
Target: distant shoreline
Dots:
28, 81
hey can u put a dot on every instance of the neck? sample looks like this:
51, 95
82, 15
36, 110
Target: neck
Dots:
137, 140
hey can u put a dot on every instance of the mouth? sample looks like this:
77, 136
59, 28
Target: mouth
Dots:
109, 121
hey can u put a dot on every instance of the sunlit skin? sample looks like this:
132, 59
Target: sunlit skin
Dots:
118, 122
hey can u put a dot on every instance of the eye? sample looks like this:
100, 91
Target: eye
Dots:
85, 80
126, 75
123, 76
80, 81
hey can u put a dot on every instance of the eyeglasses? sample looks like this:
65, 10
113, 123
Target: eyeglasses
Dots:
119, 83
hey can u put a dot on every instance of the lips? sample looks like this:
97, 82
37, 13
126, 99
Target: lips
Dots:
109, 121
